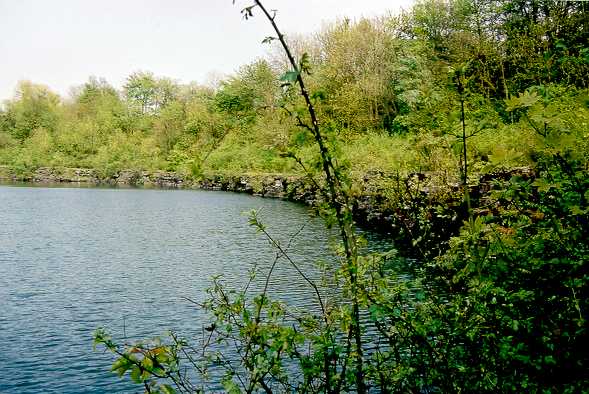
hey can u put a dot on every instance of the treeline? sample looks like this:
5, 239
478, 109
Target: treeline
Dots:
387, 89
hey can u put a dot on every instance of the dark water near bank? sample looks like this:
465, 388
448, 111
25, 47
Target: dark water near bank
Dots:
72, 260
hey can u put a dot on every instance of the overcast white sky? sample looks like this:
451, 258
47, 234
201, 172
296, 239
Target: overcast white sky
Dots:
60, 43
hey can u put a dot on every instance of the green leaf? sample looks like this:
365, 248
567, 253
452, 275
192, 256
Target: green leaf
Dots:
528, 99
121, 366
305, 63
117, 364
230, 386
290, 76
560, 45
247, 12
147, 363
543, 185
524, 100
318, 95
167, 389
136, 374
576, 210
515, 325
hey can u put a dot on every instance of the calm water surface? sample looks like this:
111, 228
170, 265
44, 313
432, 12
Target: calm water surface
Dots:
72, 260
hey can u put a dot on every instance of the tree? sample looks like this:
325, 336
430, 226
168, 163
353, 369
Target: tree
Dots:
546, 42
140, 91
254, 89
147, 93
169, 125
33, 107
356, 74
166, 91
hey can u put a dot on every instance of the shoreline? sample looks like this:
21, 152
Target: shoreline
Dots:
425, 207
265, 185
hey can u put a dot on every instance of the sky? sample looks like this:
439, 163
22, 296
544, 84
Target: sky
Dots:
61, 43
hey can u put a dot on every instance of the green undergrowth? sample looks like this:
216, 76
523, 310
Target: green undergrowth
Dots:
504, 146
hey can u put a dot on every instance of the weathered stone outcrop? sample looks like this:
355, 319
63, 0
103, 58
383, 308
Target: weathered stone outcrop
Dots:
160, 179
46, 175
274, 186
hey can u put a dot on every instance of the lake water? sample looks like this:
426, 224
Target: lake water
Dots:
74, 259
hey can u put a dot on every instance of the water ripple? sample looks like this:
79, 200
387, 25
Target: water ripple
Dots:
72, 260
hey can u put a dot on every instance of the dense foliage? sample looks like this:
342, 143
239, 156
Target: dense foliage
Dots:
382, 87
457, 88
